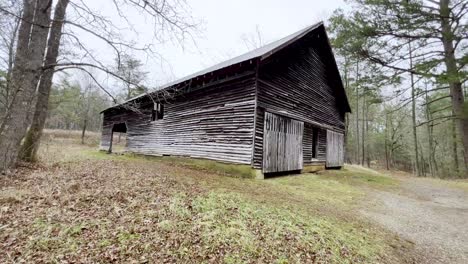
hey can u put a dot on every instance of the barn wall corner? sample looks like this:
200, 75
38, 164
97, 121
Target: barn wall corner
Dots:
259, 174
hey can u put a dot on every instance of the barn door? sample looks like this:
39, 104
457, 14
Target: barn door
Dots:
282, 144
335, 149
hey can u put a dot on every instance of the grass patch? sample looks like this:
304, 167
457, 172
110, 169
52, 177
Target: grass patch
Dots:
359, 176
88, 206
457, 184
232, 228
54, 237
236, 170
336, 188
53, 152
460, 184
313, 189
221, 168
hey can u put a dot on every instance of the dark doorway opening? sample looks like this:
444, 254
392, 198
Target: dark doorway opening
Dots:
157, 112
118, 141
272, 175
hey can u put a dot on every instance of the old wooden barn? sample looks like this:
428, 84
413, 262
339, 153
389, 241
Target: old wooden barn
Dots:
278, 108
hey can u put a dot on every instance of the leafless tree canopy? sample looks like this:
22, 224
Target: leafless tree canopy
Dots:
62, 33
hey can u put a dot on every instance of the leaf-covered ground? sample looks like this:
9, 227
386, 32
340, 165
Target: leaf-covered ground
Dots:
79, 205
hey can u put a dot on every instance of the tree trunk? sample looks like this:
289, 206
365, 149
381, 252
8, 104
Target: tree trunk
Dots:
21, 56
456, 92
422, 163
386, 142
364, 117
357, 112
32, 141
83, 131
86, 112
11, 57
367, 136
465, 88
456, 166
346, 133
417, 167
431, 157
26, 72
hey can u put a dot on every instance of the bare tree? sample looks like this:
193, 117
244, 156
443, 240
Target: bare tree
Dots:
32, 37
417, 167
86, 105
130, 69
254, 40
8, 33
430, 128
171, 20
32, 140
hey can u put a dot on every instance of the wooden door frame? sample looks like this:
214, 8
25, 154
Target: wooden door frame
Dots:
112, 134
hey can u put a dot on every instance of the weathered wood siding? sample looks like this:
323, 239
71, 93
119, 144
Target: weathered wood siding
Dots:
335, 149
225, 120
296, 82
307, 143
258, 148
322, 145
214, 123
282, 144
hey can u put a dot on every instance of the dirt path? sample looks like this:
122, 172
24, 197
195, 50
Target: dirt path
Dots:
434, 217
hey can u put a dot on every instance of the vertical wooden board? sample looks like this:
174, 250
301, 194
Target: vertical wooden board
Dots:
299, 150
282, 144
266, 148
335, 149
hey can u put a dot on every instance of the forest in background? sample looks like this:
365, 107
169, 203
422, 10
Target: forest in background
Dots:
403, 64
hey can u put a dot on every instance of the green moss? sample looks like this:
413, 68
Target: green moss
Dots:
234, 170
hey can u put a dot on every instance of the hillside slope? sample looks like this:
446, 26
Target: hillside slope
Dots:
79, 205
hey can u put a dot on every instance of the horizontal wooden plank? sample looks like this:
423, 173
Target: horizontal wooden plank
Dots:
213, 123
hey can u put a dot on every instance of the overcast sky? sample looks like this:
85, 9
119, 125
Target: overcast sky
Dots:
224, 23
